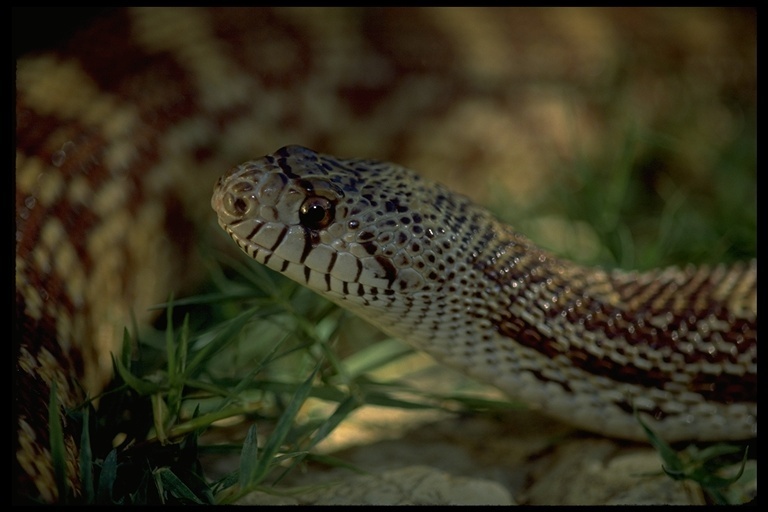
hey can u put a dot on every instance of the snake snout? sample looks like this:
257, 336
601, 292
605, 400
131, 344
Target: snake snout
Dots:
233, 199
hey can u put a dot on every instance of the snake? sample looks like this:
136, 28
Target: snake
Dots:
428, 266
125, 121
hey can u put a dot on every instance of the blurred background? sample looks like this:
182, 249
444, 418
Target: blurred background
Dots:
613, 136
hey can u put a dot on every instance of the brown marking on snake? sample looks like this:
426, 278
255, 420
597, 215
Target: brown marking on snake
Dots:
594, 314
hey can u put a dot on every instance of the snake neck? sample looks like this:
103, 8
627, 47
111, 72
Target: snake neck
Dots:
429, 266
542, 328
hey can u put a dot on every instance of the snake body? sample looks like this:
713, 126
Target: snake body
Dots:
122, 128
585, 345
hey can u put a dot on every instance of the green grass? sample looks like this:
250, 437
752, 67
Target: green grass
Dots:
642, 204
715, 467
258, 349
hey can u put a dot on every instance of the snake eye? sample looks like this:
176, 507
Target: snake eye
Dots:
317, 213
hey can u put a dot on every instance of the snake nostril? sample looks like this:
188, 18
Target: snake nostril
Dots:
239, 206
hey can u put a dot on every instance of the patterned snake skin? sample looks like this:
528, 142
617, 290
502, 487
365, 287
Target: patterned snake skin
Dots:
428, 266
122, 128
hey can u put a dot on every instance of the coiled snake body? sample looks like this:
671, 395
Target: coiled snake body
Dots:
122, 129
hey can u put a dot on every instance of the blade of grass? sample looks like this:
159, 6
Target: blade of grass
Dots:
167, 483
58, 450
268, 453
86, 457
375, 356
248, 457
107, 478
225, 335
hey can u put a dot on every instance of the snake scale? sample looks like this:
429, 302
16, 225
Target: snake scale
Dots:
122, 128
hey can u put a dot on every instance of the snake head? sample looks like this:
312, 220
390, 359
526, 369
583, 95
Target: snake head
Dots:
342, 227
